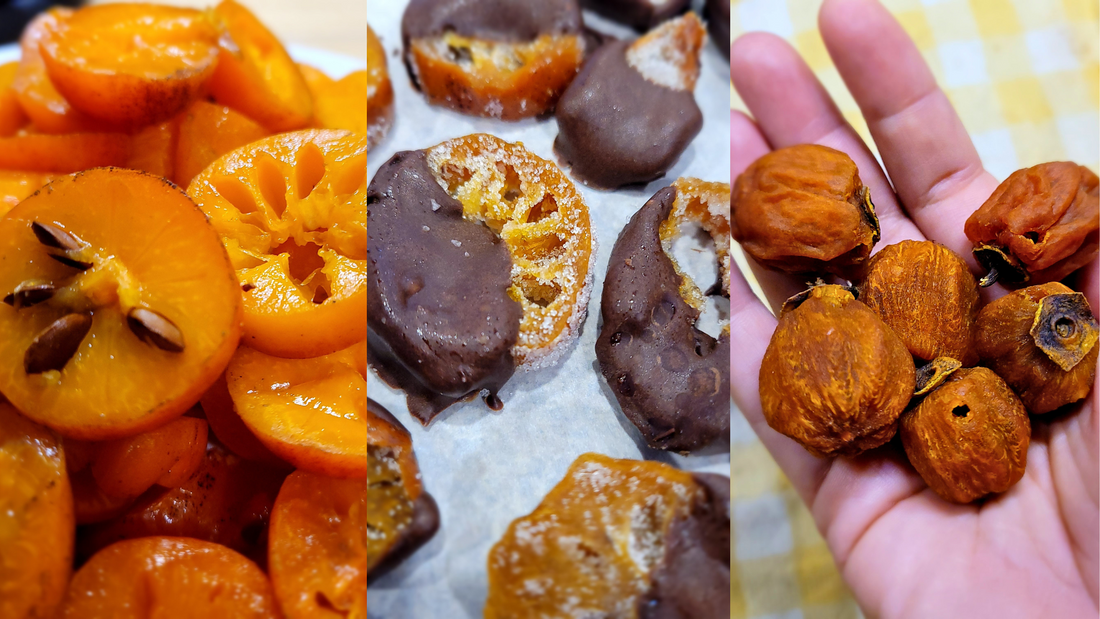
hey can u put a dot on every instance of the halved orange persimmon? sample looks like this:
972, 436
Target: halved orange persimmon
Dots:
18, 186
121, 306
130, 64
168, 456
343, 103
63, 154
48, 110
256, 75
169, 577
228, 428
36, 518
208, 131
12, 117
309, 412
317, 548
291, 210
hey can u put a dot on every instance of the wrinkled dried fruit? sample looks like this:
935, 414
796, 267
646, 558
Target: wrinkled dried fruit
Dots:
1042, 341
803, 209
835, 378
968, 437
927, 295
1041, 224
933, 373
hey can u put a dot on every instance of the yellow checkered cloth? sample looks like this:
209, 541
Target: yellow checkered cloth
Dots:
1024, 76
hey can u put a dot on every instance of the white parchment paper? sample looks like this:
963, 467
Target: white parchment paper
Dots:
486, 469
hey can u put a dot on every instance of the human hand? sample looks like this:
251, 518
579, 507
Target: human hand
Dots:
905, 552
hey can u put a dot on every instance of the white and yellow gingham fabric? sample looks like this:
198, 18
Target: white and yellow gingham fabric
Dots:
1024, 76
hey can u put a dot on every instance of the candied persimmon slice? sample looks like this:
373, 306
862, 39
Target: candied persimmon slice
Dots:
309, 412
169, 577
48, 110
36, 518
127, 467
317, 549
343, 103
153, 149
18, 186
291, 210
228, 501
63, 154
129, 64
121, 307
256, 75
228, 428
12, 117
208, 131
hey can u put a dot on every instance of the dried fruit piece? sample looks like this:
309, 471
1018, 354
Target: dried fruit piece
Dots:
501, 60
290, 210
130, 65
927, 295
318, 548
255, 74
227, 426
803, 209
968, 438
143, 245
169, 576
379, 92
835, 378
670, 378
36, 518
617, 538
1042, 341
401, 516
1041, 224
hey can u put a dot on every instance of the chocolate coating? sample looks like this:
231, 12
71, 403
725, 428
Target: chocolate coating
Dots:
717, 13
440, 323
513, 21
693, 579
638, 14
671, 379
616, 128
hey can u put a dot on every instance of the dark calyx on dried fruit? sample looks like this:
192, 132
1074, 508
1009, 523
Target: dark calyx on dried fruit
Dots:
401, 516
440, 323
968, 437
803, 209
933, 373
1042, 341
1041, 224
835, 377
927, 295
640, 15
670, 378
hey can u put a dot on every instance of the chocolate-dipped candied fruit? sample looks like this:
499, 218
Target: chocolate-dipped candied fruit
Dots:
804, 209
927, 295
968, 437
401, 516
507, 59
1041, 224
617, 538
631, 111
835, 378
670, 378
1042, 341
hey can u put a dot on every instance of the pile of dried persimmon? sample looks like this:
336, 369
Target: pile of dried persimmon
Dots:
902, 343
183, 328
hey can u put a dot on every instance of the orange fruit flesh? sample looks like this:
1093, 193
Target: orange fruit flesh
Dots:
256, 75
317, 554
208, 131
169, 576
18, 186
309, 412
227, 426
124, 468
343, 103
291, 210
36, 518
130, 64
62, 154
12, 117
150, 247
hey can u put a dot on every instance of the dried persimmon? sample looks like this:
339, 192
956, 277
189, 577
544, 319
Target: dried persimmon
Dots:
309, 412
12, 117
36, 518
208, 131
129, 64
121, 307
291, 210
317, 553
256, 75
169, 576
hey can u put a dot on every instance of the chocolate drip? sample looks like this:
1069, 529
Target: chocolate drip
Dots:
441, 325
512, 21
671, 379
616, 128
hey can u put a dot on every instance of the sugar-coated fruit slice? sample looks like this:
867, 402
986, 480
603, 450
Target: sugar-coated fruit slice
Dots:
120, 304
36, 518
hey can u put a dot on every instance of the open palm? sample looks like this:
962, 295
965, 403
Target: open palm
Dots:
1032, 552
